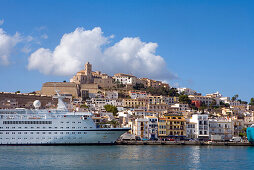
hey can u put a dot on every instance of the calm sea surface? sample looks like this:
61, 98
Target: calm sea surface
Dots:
126, 157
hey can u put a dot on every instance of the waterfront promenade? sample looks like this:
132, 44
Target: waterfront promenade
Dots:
183, 143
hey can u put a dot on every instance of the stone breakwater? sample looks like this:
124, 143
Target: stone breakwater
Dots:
183, 143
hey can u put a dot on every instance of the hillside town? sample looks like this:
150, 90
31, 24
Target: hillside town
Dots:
152, 109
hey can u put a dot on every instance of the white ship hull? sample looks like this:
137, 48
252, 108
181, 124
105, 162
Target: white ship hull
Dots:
96, 136
47, 127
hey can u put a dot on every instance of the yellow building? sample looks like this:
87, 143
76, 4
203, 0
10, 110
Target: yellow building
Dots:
135, 103
172, 125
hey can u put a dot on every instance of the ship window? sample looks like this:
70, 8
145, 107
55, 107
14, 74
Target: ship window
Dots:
73, 122
67, 132
79, 132
49, 132
25, 132
19, 127
61, 127
32, 127
61, 132
61, 122
19, 132
50, 127
13, 127
67, 127
73, 132
38, 127
38, 132
55, 132
43, 132
31, 133
13, 132
79, 122
1, 132
7, 132
25, 127
73, 127
44, 127
85, 133
67, 122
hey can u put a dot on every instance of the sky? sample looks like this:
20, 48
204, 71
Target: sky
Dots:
204, 45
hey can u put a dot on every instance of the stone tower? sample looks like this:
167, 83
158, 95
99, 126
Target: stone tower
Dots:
88, 72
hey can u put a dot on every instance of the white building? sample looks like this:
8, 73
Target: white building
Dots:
137, 94
204, 99
140, 128
125, 79
232, 103
111, 94
221, 127
181, 107
202, 125
186, 91
191, 130
152, 127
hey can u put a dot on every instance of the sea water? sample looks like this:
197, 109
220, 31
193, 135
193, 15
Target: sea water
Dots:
127, 157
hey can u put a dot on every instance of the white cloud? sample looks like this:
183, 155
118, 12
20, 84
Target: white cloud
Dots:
29, 38
129, 55
1, 21
26, 49
7, 43
44, 36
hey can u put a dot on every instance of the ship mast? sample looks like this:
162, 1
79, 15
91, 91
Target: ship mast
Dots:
60, 105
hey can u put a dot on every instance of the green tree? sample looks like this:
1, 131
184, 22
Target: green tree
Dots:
235, 97
114, 123
184, 99
173, 92
252, 101
111, 108
202, 107
17, 91
139, 86
84, 106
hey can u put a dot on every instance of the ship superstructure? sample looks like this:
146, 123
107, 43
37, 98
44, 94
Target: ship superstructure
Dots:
59, 126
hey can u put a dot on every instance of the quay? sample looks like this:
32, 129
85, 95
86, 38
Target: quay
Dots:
134, 142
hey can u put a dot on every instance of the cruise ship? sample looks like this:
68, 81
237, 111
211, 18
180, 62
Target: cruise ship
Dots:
52, 127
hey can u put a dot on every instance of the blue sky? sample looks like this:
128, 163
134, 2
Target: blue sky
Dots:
206, 45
